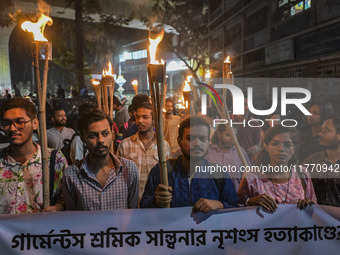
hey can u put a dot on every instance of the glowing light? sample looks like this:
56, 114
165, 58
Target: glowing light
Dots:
38, 27
107, 70
134, 83
95, 82
186, 87
208, 74
153, 47
227, 60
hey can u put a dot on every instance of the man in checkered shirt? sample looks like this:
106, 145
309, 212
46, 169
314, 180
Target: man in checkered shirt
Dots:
102, 181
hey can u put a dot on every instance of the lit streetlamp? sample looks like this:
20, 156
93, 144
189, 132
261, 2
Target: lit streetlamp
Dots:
134, 84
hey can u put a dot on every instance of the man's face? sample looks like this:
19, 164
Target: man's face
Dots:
195, 142
98, 138
328, 137
225, 139
169, 107
60, 118
19, 136
315, 118
144, 120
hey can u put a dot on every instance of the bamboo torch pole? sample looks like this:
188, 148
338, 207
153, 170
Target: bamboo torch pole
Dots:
41, 93
97, 91
228, 77
158, 89
156, 74
108, 83
41, 45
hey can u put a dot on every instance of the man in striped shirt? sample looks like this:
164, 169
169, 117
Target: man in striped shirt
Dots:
102, 181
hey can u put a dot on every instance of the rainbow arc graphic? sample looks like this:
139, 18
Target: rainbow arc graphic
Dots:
205, 87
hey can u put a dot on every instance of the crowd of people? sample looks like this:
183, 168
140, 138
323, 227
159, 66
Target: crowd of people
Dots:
110, 164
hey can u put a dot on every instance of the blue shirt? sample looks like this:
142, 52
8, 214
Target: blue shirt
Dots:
183, 193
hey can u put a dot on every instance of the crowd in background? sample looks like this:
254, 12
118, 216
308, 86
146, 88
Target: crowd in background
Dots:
100, 164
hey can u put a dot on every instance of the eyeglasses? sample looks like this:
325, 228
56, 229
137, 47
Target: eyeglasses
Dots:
18, 124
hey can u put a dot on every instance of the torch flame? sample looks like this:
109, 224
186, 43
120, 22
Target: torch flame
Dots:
208, 74
186, 87
38, 28
95, 82
227, 60
153, 47
182, 99
107, 70
134, 83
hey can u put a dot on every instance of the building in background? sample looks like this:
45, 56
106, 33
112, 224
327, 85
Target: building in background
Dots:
276, 38
133, 63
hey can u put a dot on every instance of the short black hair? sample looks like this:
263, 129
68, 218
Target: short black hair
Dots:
116, 101
192, 121
19, 102
139, 99
326, 108
169, 100
94, 115
145, 105
56, 108
336, 121
85, 107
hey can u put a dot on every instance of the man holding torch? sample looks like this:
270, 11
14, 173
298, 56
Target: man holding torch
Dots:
188, 184
142, 147
21, 189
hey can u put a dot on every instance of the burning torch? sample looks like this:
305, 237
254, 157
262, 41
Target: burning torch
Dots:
97, 91
41, 50
156, 73
108, 82
134, 84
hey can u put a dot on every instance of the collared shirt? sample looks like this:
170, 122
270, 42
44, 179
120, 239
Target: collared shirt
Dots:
21, 189
82, 190
171, 133
122, 116
133, 148
229, 159
55, 138
327, 189
77, 149
255, 184
185, 193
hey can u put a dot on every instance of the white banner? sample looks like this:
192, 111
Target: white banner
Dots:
315, 230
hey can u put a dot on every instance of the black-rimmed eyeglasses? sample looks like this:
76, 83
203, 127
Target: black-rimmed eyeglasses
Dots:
18, 124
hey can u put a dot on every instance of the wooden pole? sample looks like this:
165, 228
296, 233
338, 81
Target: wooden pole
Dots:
108, 82
227, 75
158, 90
41, 93
105, 99
98, 91
111, 101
